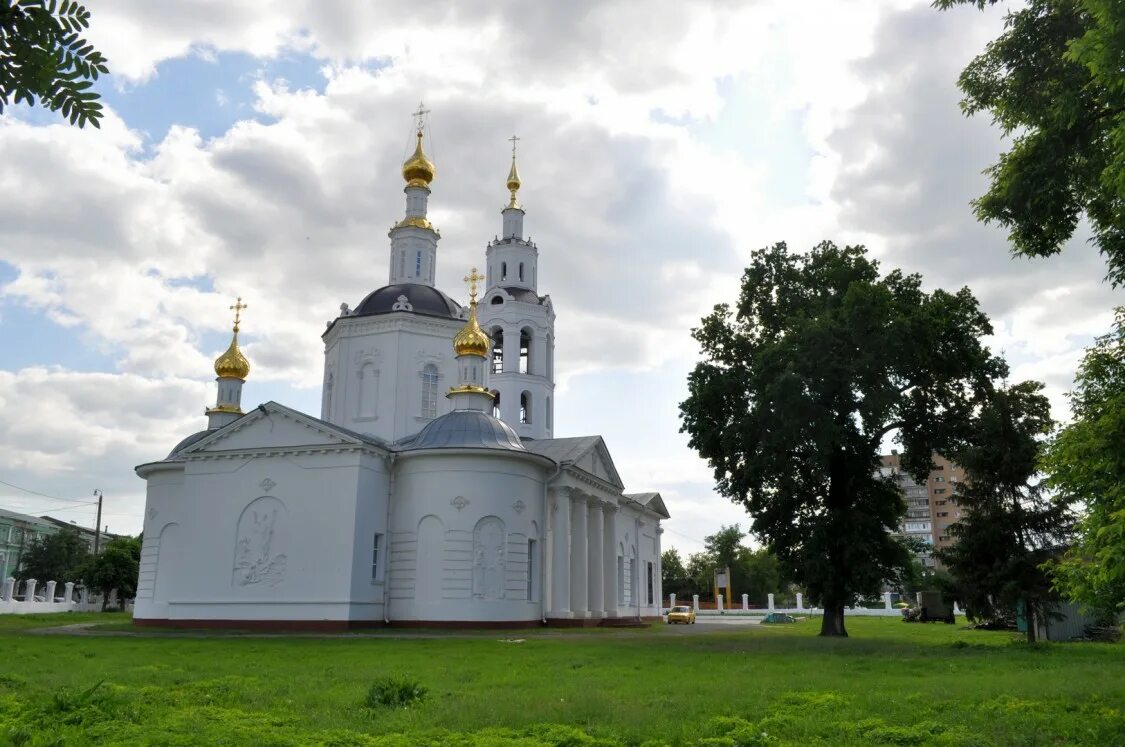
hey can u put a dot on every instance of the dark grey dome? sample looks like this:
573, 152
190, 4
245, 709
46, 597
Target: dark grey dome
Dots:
188, 442
466, 429
420, 299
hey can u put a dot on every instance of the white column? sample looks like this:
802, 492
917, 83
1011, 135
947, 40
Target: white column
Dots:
596, 566
671, 601
770, 598
49, 591
800, 601
695, 602
29, 590
68, 592
9, 589
887, 600
719, 603
579, 558
609, 559
560, 561
745, 602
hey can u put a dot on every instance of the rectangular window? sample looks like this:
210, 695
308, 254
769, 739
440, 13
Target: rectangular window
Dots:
530, 570
939, 491
939, 478
375, 556
650, 584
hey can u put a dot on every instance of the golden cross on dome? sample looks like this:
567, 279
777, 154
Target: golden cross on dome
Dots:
421, 115
237, 309
513, 140
472, 279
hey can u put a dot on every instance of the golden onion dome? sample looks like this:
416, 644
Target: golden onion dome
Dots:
472, 340
418, 171
232, 364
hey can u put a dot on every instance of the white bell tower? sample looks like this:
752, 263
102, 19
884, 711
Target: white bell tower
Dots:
521, 325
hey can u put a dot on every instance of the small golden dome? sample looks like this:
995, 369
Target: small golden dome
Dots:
513, 183
232, 364
472, 340
418, 171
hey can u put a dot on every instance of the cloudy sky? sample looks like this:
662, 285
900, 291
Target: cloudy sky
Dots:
253, 149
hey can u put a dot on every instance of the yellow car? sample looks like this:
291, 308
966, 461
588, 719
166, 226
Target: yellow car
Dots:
684, 614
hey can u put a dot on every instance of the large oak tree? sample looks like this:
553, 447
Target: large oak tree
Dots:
1053, 82
821, 359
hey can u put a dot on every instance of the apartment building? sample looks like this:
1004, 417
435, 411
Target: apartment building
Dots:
931, 507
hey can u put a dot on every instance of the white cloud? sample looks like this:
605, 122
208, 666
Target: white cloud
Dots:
644, 199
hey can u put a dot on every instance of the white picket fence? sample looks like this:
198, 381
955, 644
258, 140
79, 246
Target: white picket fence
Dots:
887, 610
29, 598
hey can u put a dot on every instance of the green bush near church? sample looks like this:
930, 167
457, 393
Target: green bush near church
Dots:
763, 685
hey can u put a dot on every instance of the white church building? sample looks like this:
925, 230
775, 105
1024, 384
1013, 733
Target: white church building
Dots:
398, 505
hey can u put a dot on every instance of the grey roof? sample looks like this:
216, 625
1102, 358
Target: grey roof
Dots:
651, 501
522, 294
563, 449
189, 441
422, 299
25, 518
464, 429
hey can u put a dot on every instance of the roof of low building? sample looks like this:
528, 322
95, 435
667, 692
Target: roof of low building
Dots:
464, 429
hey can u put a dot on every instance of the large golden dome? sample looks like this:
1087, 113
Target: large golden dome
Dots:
418, 171
232, 364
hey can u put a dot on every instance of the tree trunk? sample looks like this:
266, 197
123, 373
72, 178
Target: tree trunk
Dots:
1029, 610
832, 623
105, 601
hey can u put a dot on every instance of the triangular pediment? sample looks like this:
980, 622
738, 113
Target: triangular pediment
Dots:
274, 426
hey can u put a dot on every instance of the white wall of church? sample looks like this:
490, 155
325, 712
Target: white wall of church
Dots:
268, 537
378, 374
462, 527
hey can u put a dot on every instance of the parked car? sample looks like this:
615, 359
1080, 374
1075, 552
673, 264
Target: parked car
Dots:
681, 614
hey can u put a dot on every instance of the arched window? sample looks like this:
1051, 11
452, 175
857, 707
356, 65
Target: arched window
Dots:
368, 391
429, 391
521, 272
550, 372
525, 407
503, 270
497, 350
497, 300
495, 404
418, 265
525, 350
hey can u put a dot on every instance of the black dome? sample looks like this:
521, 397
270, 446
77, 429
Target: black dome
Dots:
420, 299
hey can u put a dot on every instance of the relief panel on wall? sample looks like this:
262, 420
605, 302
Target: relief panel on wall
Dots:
489, 560
259, 542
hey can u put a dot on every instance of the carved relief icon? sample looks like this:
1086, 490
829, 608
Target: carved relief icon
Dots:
254, 559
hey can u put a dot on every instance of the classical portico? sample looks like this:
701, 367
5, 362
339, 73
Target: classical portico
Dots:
603, 566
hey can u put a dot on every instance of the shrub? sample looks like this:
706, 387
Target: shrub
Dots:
395, 692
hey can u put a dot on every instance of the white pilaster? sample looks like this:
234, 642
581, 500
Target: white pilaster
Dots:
595, 566
578, 558
609, 559
560, 547
49, 591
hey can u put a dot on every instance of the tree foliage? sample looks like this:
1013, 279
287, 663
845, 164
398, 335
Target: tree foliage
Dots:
116, 568
44, 57
1085, 465
55, 557
1010, 527
1053, 81
821, 359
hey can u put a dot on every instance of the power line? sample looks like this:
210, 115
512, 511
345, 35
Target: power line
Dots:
43, 495
57, 509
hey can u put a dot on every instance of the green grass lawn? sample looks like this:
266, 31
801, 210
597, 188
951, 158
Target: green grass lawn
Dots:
889, 683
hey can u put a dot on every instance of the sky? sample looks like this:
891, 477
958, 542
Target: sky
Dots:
253, 150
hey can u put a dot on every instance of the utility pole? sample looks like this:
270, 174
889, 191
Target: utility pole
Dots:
98, 523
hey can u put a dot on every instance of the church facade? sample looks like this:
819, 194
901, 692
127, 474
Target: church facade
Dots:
430, 491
